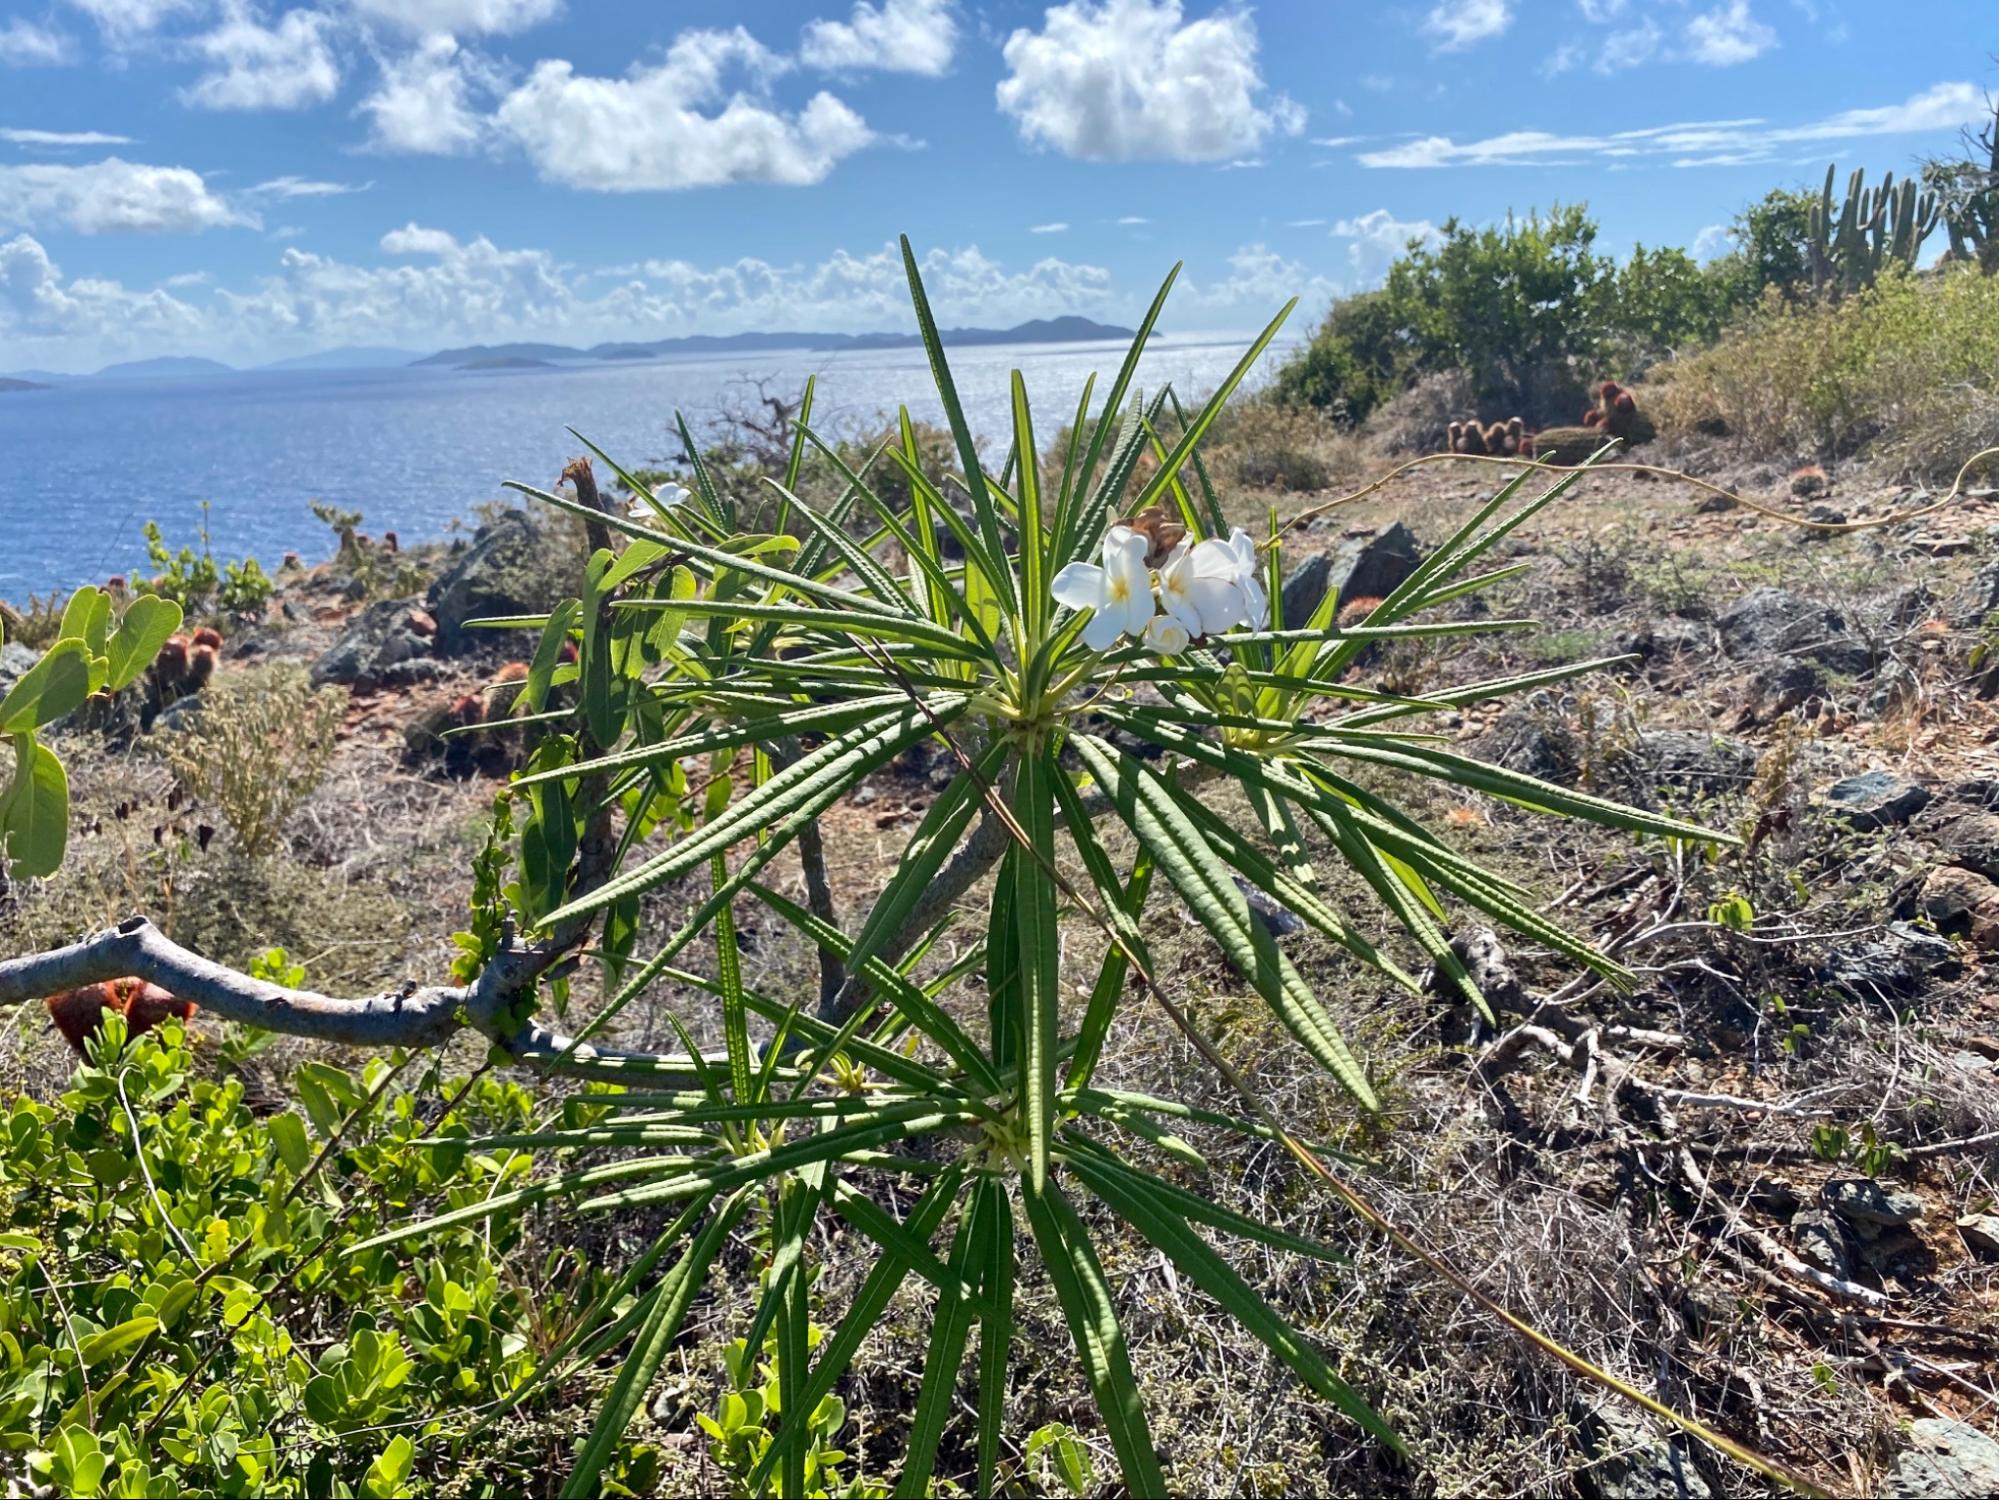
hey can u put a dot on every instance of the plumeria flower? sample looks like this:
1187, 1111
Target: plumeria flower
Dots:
668, 495
1165, 636
1249, 576
1120, 592
1199, 588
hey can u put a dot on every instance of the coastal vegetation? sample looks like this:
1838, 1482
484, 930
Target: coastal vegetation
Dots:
887, 964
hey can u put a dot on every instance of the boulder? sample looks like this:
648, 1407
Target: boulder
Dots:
1780, 687
1876, 799
1369, 567
1967, 836
1663, 640
374, 641
1980, 1233
1972, 605
1686, 758
1946, 1460
1961, 903
1864, 1202
488, 578
1776, 622
1820, 1241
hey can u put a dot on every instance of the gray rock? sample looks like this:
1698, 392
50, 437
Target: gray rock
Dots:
488, 578
179, 714
1967, 836
1777, 622
1278, 920
1895, 687
1945, 1460
1972, 605
1687, 758
1893, 967
1876, 799
1961, 903
375, 640
1662, 640
1370, 567
1820, 1241
15, 659
1779, 687
1861, 1200
1980, 1233
1632, 1461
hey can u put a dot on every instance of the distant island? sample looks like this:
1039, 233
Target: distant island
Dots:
505, 362
525, 356
171, 366
7, 384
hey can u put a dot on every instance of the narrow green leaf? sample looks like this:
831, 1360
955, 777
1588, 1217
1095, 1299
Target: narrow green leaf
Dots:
1040, 956
950, 1325
994, 1250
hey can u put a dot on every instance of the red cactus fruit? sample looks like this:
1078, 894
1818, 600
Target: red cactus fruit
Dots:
78, 1014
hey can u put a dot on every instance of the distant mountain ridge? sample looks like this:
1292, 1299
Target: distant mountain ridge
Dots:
1063, 330
10, 383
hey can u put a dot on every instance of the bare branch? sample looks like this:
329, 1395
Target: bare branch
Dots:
416, 1016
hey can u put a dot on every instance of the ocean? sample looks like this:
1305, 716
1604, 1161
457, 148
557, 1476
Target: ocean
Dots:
83, 467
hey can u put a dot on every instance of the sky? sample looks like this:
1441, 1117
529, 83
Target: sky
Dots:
248, 180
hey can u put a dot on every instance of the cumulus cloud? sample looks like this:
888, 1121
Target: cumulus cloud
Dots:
1130, 80
36, 304
1728, 35
56, 139
1945, 106
1055, 228
121, 20
1260, 281
674, 125
1457, 24
1713, 242
896, 36
1376, 241
253, 66
423, 103
112, 197
459, 17
24, 44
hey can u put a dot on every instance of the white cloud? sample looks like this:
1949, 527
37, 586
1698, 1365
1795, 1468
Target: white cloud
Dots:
460, 17
1259, 282
1628, 47
1602, 12
1130, 219
25, 44
254, 66
60, 138
111, 197
1945, 106
1377, 241
1305, 224
121, 20
1713, 242
1728, 35
654, 130
37, 305
1057, 228
414, 239
424, 102
1334, 142
1128, 80
1457, 24
306, 187
897, 36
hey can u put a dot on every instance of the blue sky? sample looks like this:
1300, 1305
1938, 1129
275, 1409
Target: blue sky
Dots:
248, 180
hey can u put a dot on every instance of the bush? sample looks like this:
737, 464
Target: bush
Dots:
1910, 365
258, 746
1266, 445
1528, 310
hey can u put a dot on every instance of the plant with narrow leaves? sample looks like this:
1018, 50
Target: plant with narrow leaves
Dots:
99, 649
782, 669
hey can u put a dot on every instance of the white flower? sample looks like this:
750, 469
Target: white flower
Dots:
1120, 592
1166, 636
1199, 587
668, 495
1249, 576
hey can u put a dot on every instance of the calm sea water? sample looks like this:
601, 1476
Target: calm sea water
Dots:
82, 468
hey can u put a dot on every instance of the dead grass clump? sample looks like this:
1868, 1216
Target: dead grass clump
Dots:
260, 743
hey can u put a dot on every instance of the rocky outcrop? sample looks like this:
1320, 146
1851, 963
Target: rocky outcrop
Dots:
1768, 622
1370, 567
491, 577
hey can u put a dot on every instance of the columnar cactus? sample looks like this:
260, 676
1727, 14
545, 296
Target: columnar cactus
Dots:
1874, 226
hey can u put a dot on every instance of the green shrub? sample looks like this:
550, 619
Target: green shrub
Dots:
260, 743
1910, 366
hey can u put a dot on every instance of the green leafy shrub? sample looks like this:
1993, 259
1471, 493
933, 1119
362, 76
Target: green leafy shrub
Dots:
156, 1237
1910, 365
260, 743
99, 649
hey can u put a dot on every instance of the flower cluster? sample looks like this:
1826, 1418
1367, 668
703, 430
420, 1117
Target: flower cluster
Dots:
1200, 588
